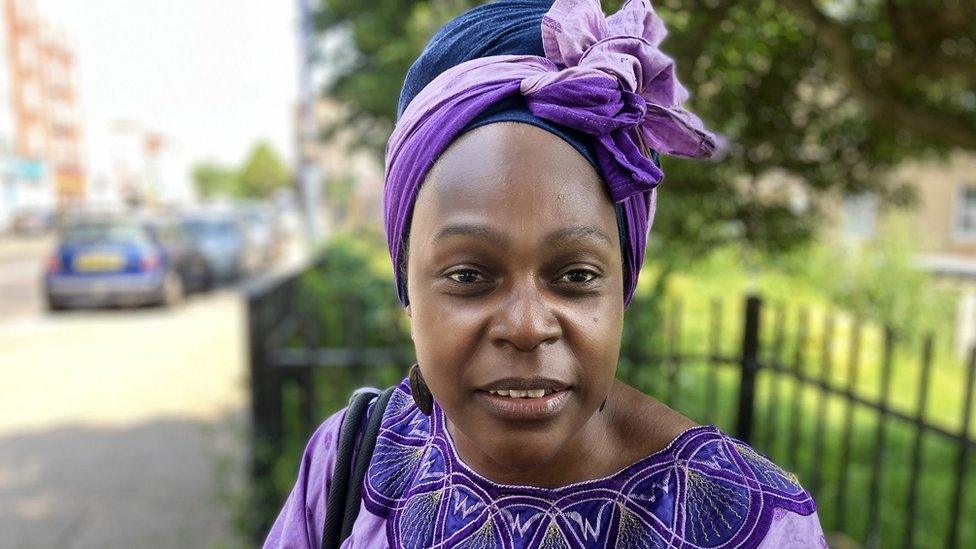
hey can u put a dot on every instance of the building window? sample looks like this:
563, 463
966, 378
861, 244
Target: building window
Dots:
965, 214
860, 216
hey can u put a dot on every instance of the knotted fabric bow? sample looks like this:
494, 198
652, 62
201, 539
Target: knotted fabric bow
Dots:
602, 76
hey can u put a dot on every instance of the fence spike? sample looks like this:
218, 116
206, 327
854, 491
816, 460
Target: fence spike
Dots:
923, 389
853, 360
874, 529
826, 359
963, 456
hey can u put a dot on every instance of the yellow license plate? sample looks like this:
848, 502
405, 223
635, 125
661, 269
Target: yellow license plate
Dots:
99, 262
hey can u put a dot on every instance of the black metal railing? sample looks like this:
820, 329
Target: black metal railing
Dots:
838, 460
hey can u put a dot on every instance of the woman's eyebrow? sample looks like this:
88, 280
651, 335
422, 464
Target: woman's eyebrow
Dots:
577, 232
557, 238
478, 231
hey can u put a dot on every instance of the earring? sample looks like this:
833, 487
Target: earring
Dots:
420, 391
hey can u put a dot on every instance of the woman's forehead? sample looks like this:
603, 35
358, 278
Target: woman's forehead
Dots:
513, 176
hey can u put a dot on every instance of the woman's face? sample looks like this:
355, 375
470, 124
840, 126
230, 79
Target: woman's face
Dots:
516, 294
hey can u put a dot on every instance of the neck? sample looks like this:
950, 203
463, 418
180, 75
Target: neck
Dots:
585, 456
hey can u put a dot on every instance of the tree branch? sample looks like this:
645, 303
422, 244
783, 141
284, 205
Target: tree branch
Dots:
948, 129
886, 107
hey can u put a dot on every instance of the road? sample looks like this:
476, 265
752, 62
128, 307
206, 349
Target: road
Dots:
118, 428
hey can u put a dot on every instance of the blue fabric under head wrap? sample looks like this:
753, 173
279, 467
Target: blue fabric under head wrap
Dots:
506, 27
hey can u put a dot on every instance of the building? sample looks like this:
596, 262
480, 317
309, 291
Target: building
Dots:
944, 221
352, 178
40, 130
944, 215
143, 168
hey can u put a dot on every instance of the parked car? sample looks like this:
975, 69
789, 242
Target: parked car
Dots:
121, 262
260, 235
221, 242
181, 247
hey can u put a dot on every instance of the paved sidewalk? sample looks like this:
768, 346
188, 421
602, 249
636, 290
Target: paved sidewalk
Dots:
119, 428
150, 485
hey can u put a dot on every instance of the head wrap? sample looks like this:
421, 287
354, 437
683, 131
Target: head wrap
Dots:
600, 83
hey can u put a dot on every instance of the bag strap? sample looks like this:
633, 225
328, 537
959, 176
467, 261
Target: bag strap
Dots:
364, 456
348, 433
345, 492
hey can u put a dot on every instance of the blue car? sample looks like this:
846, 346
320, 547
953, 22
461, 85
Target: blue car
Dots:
122, 262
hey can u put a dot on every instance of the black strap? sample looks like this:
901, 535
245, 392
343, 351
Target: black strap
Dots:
348, 433
365, 454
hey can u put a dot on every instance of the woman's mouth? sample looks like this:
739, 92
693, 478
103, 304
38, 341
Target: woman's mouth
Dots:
527, 403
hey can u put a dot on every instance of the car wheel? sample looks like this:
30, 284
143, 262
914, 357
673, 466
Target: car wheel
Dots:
54, 306
207, 281
173, 290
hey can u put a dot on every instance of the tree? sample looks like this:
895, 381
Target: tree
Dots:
214, 179
262, 173
768, 75
912, 65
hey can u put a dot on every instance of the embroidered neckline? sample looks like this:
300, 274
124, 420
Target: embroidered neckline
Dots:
659, 454
704, 489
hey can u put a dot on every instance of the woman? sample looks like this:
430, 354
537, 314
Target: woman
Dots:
519, 191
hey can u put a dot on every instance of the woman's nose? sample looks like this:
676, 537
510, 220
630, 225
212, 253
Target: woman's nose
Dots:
525, 319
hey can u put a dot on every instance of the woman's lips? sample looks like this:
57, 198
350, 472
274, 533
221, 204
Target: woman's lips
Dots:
525, 408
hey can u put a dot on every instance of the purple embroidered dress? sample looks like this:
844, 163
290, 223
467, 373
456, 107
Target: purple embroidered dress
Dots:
705, 489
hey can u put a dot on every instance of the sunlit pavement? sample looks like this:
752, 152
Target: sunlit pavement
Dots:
21, 264
118, 428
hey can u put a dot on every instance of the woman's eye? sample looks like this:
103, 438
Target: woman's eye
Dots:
579, 276
466, 276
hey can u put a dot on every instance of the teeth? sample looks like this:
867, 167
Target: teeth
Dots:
528, 393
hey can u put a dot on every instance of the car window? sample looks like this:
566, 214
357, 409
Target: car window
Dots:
201, 228
95, 233
168, 233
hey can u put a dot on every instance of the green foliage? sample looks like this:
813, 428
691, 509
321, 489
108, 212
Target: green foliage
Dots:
355, 279
262, 172
386, 35
213, 179
879, 280
339, 195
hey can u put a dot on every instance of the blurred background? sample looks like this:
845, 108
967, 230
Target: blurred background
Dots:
193, 273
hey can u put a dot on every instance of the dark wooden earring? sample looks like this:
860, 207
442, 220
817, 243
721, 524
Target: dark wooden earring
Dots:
420, 391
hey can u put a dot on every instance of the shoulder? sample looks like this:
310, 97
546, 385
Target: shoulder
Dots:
733, 491
716, 490
320, 451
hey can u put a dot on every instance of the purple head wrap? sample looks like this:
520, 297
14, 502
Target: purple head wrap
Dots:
603, 77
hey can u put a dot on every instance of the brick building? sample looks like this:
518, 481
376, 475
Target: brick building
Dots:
40, 130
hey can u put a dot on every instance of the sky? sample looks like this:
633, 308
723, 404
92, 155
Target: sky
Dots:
212, 75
